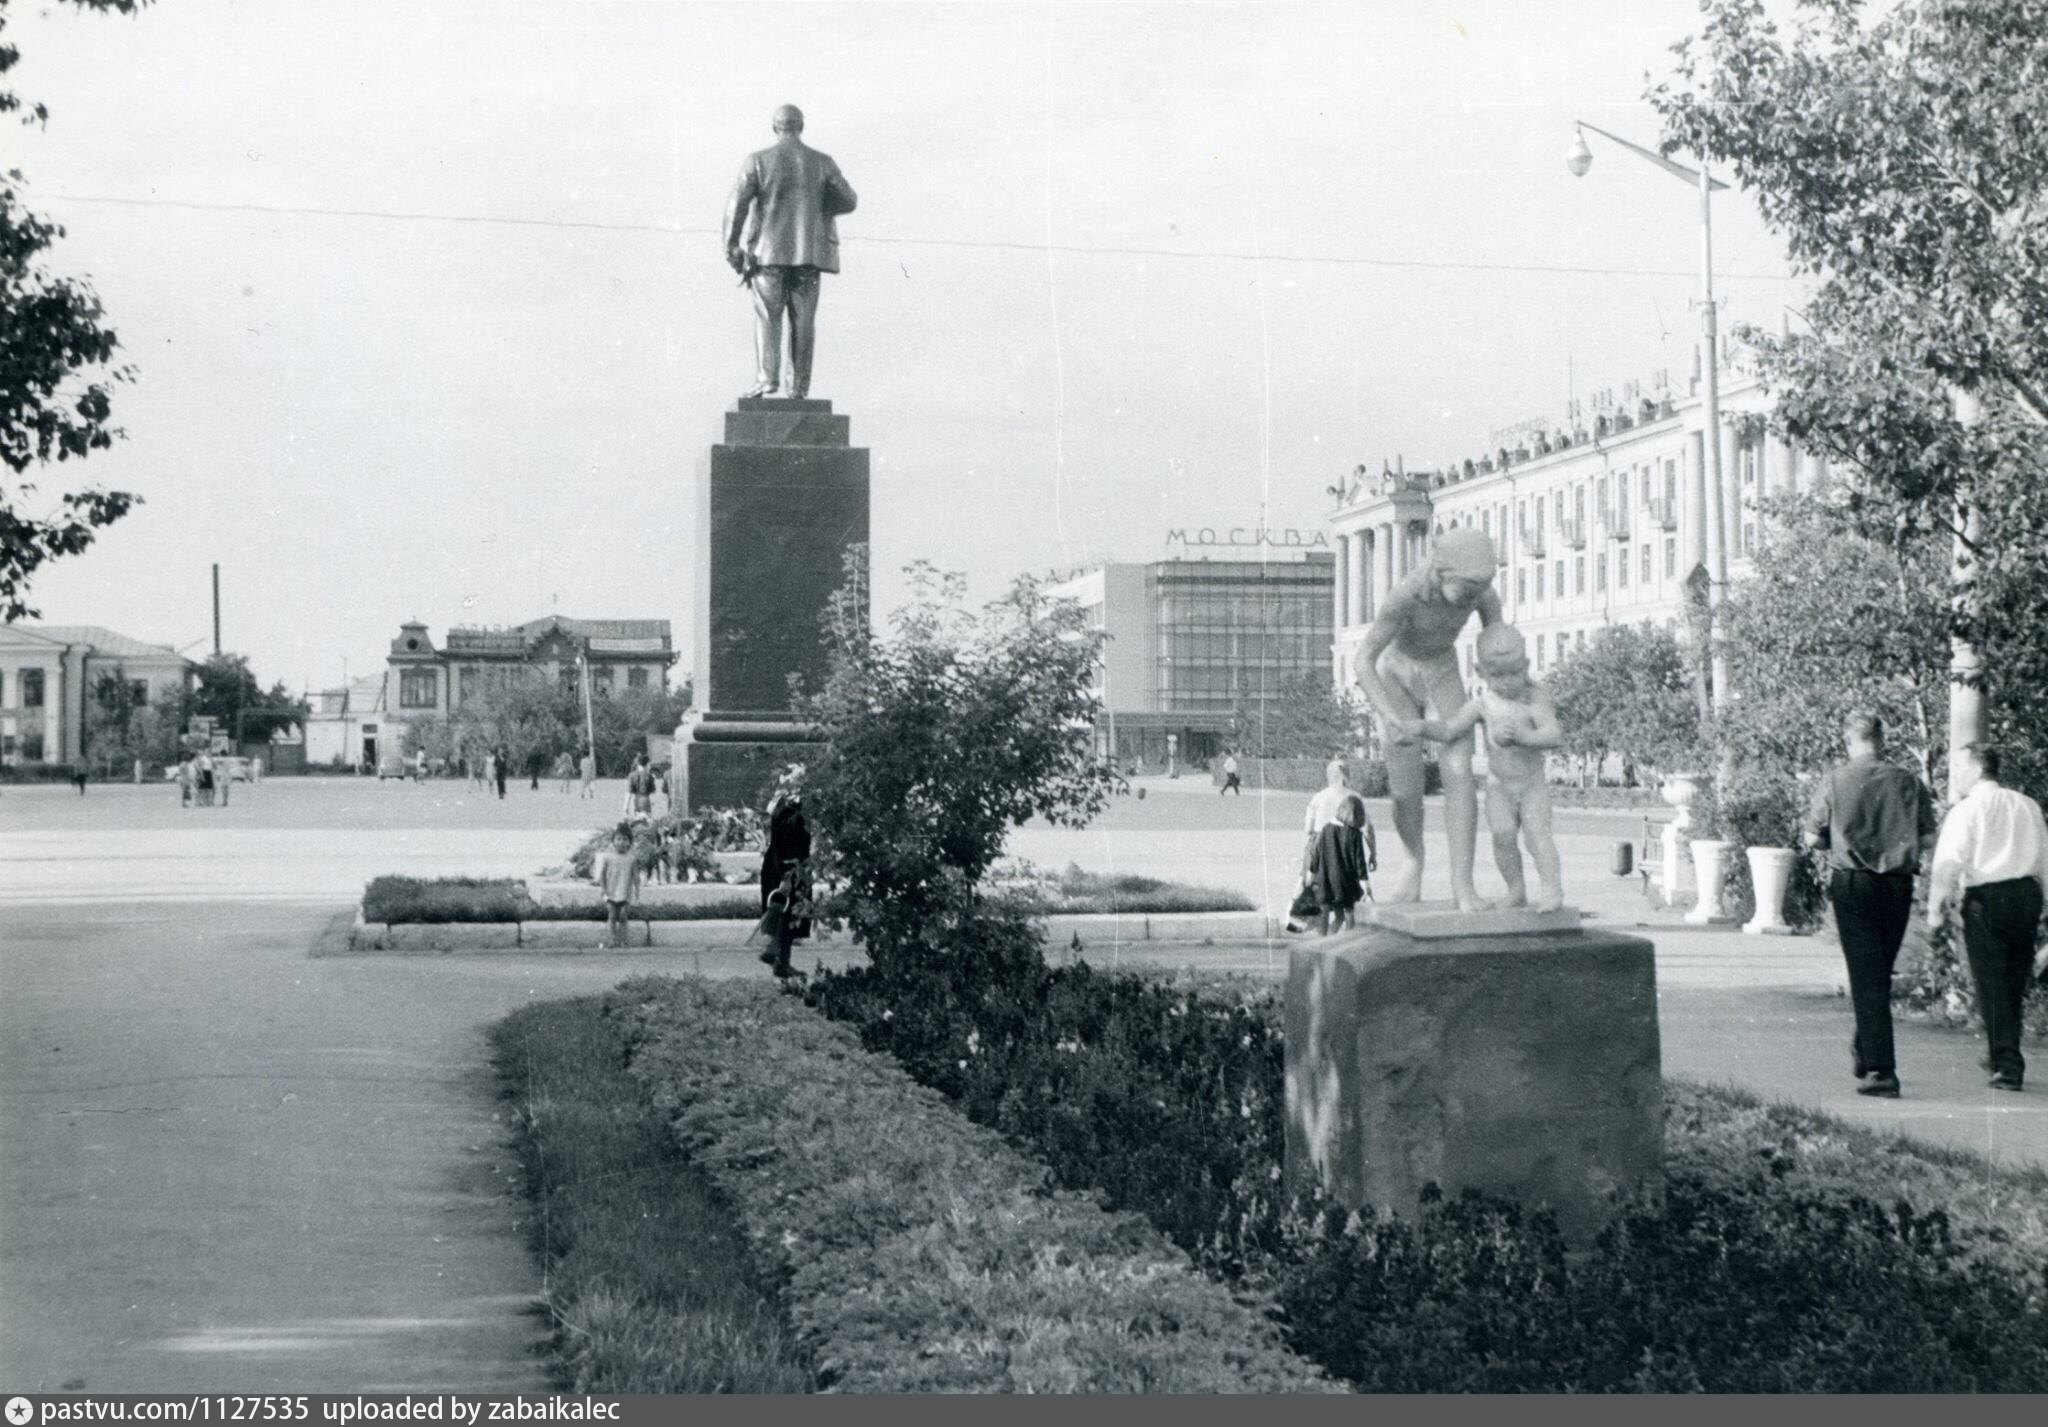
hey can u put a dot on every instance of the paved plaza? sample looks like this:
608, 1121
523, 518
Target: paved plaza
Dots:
235, 1164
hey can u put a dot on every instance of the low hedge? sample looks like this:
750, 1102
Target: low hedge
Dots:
923, 1253
1792, 1253
443, 900
648, 1278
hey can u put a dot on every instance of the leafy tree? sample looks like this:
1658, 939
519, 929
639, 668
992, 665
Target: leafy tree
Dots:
118, 730
1831, 621
937, 741
228, 692
56, 377
1305, 718
1630, 692
1905, 162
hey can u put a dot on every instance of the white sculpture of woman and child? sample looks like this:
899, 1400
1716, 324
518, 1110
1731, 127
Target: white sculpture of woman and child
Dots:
1408, 669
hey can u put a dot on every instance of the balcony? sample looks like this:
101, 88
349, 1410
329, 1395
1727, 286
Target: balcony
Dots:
1531, 540
1614, 522
1664, 514
1573, 532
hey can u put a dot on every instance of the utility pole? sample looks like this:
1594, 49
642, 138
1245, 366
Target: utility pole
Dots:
216, 609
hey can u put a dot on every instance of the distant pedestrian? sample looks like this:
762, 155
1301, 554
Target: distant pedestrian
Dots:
589, 770
1994, 845
664, 803
1337, 866
501, 766
202, 769
188, 781
1230, 778
640, 789
565, 769
419, 765
617, 874
1876, 821
78, 777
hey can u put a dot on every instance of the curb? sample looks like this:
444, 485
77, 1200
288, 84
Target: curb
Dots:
1096, 929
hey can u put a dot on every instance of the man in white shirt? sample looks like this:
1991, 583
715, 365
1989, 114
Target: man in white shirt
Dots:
1994, 845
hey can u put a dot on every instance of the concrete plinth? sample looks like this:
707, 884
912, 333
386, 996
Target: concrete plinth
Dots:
1524, 1065
779, 504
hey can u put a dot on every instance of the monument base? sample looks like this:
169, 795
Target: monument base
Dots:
1437, 921
1522, 1065
735, 774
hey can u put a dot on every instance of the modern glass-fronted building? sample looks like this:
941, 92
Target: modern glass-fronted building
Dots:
1193, 641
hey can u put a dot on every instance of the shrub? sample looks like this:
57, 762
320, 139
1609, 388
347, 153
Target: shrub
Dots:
503, 899
920, 1252
1936, 983
1786, 1257
1765, 808
700, 835
648, 1275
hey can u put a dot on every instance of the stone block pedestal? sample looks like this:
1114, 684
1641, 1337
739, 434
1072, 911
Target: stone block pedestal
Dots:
1521, 1063
779, 503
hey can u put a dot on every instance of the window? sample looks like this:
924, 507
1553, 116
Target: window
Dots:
1539, 582
1599, 573
1521, 587
1646, 485
1620, 568
32, 689
138, 692
1539, 653
1749, 537
601, 679
636, 677
1578, 574
1646, 562
1579, 642
1522, 514
1486, 522
1579, 505
1670, 483
1671, 557
32, 739
417, 688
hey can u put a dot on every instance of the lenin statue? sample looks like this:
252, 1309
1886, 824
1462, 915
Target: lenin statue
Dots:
779, 235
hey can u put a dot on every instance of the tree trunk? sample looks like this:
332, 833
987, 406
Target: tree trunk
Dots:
1966, 693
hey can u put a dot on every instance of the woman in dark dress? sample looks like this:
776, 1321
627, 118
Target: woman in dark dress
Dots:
503, 760
785, 867
1337, 868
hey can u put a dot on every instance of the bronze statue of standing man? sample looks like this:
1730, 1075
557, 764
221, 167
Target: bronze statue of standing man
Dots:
779, 235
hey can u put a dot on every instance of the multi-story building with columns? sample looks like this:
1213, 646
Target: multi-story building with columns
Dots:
1601, 519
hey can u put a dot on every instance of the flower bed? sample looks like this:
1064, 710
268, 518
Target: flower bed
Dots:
921, 1252
1793, 1252
446, 900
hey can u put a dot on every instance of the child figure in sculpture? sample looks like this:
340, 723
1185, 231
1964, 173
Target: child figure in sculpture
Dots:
1521, 728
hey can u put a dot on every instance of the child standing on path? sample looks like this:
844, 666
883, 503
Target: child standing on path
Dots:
1337, 867
617, 873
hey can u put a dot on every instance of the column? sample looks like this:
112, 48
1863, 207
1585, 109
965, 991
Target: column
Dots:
1787, 474
1694, 513
1339, 593
1357, 583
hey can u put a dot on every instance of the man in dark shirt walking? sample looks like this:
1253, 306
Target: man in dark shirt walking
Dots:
1876, 821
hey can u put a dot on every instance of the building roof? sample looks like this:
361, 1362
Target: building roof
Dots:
103, 640
654, 629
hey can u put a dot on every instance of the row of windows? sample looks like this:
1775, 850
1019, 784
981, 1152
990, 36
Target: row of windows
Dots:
1610, 496
421, 688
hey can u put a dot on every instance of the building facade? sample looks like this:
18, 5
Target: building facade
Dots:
1190, 641
50, 673
1592, 524
426, 681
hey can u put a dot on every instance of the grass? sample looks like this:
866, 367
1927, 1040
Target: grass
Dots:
648, 1275
1075, 892
922, 1253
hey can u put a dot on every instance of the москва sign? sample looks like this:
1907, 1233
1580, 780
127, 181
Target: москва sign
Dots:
1250, 535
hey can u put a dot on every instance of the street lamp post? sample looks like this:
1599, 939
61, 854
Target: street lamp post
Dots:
1578, 159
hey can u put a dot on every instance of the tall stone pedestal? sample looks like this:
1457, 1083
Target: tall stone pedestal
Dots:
1521, 1063
779, 503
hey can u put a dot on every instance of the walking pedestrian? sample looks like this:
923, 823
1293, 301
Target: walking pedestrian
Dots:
785, 872
1876, 820
501, 766
78, 777
187, 780
1337, 866
203, 770
640, 789
1231, 782
1993, 844
565, 769
589, 773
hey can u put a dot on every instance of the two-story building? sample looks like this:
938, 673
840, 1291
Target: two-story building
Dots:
1600, 519
50, 673
424, 680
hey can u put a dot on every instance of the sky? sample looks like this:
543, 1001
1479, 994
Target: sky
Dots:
429, 318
